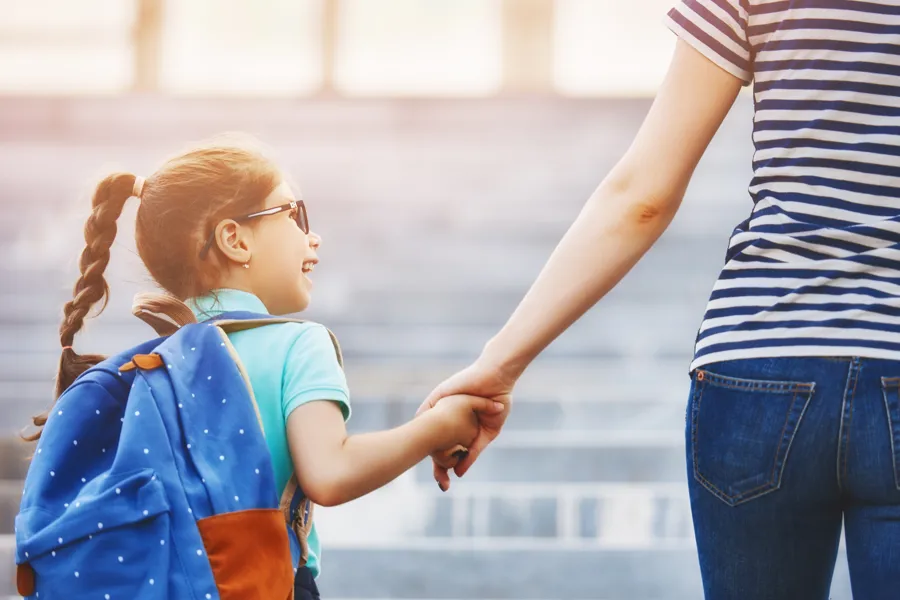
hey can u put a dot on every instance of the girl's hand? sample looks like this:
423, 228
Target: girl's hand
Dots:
459, 416
486, 382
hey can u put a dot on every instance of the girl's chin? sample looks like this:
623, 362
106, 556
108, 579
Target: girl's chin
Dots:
303, 300
298, 303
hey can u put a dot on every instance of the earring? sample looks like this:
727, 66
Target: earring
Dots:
246, 265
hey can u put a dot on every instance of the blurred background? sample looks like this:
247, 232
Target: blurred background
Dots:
443, 147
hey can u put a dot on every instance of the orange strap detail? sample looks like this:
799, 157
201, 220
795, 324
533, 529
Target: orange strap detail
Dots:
143, 361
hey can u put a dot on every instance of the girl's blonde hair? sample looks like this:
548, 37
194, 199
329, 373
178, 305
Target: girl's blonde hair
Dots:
180, 204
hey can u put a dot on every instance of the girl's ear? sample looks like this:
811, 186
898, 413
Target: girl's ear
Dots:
234, 241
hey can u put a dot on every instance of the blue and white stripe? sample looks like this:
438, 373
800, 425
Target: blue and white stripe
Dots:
815, 268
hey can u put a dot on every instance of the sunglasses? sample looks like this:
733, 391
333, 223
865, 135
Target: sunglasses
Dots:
300, 218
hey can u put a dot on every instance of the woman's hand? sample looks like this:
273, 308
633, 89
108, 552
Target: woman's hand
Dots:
479, 379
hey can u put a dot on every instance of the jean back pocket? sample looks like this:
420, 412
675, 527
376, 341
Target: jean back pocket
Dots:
742, 431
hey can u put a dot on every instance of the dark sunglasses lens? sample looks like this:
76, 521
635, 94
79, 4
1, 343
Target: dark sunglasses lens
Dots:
300, 218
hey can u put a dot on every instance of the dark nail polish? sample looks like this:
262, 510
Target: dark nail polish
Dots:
441, 485
461, 454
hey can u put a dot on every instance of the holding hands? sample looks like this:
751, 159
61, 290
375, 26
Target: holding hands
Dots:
494, 388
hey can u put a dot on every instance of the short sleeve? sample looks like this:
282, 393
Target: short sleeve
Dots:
718, 30
312, 372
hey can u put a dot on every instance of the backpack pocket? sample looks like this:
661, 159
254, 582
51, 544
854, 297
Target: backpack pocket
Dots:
111, 545
249, 554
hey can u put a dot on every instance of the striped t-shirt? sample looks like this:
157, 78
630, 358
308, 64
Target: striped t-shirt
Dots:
815, 268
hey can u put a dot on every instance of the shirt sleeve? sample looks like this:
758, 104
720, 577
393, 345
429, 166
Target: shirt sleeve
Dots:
312, 372
718, 30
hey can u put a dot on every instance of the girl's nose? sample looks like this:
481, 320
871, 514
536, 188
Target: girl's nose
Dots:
315, 240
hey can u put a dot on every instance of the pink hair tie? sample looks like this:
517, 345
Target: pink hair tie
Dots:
138, 186
67, 347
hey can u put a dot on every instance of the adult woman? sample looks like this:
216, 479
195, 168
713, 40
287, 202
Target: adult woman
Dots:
794, 413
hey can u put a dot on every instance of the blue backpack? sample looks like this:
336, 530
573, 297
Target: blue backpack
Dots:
152, 479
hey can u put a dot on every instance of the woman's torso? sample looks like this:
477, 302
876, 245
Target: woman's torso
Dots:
815, 269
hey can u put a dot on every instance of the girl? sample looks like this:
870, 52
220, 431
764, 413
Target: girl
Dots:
793, 422
219, 228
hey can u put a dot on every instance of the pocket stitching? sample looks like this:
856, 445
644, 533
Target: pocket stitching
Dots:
785, 387
753, 386
787, 418
787, 451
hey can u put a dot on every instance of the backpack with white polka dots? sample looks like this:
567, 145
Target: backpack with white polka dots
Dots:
152, 480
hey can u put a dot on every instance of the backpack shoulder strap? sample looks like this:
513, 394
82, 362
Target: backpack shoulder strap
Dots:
232, 322
298, 514
296, 507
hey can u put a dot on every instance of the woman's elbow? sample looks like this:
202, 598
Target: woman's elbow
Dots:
646, 211
640, 202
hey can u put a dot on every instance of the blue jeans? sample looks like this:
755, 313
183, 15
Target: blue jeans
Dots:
780, 452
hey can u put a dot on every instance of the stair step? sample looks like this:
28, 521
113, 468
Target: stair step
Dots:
624, 516
543, 457
522, 571
14, 458
566, 380
598, 418
8, 566
532, 418
553, 394
10, 498
34, 349
634, 457
482, 287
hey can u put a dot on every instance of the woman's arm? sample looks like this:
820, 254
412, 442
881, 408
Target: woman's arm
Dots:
621, 220
627, 213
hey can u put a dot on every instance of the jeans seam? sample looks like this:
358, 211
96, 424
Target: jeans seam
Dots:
695, 425
852, 377
850, 422
887, 384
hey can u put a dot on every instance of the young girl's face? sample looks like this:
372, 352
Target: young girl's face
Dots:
282, 257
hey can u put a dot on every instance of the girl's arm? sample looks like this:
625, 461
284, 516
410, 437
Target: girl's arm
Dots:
333, 468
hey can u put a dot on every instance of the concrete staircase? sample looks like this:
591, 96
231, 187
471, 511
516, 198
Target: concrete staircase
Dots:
436, 217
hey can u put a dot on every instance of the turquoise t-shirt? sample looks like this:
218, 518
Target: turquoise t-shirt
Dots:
289, 364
